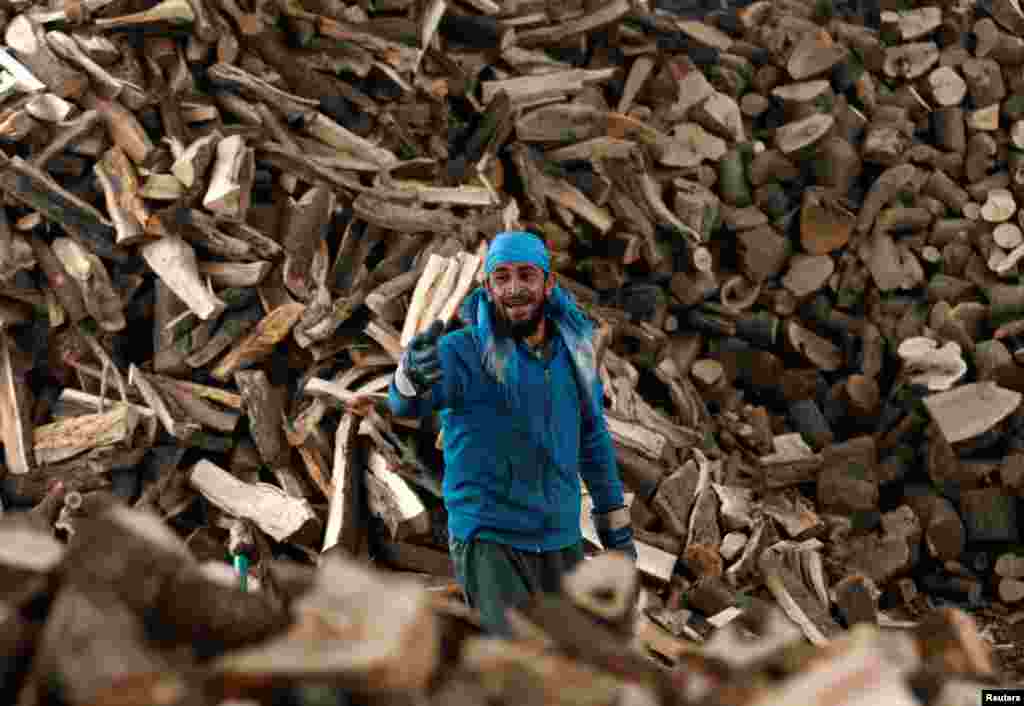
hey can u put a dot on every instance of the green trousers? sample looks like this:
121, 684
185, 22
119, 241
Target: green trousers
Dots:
496, 576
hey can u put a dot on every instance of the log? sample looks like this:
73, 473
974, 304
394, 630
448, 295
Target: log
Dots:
231, 180
401, 650
259, 344
344, 519
392, 499
17, 430
64, 439
28, 40
274, 512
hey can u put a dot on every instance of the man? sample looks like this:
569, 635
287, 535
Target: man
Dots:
522, 414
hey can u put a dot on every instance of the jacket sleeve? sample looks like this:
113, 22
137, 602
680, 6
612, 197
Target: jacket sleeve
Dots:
598, 467
444, 393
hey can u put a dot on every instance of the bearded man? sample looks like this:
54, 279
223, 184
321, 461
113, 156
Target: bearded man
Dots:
522, 414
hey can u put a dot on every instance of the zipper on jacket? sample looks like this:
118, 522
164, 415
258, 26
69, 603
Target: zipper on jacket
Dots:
547, 434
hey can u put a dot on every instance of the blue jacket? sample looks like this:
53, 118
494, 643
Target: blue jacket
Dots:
497, 484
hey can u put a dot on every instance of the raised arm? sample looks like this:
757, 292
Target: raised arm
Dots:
425, 380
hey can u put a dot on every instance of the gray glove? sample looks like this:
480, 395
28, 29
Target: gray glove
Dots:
420, 366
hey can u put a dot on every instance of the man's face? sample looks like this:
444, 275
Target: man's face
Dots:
519, 293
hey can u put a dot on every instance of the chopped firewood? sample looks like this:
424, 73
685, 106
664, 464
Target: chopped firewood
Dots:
799, 604
28, 40
64, 439
123, 126
14, 414
264, 407
345, 515
174, 261
275, 512
259, 344
67, 48
605, 587
231, 179
795, 136
972, 409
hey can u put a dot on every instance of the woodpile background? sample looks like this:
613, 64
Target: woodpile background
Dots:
795, 226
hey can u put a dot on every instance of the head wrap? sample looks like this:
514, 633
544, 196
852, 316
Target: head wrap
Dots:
517, 246
500, 357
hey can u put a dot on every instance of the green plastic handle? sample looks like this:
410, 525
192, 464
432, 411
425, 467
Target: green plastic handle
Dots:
242, 568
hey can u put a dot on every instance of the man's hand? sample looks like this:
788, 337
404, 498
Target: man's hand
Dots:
615, 530
420, 366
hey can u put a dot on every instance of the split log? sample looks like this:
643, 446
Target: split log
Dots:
276, 513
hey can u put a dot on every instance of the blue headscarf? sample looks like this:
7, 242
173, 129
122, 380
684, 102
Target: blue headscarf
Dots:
499, 355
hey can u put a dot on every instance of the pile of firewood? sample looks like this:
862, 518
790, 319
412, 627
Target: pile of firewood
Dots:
125, 615
796, 229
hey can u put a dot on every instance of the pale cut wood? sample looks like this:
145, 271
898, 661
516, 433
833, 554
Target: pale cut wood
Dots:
452, 196
947, 86
265, 408
471, 265
177, 12
639, 438
366, 630
162, 187
392, 499
22, 79
524, 89
67, 438
797, 135
638, 75
999, 207
441, 292
913, 24
344, 513
972, 409
605, 14
330, 133
190, 166
48, 108
174, 261
14, 413
195, 407
120, 184
90, 274
236, 274
864, 661
260, 343
67, 48
706, 34
171, 419
231, 181
1008, 235
123, 126
813, 56
605, 586
566, 122
27, 38
431, 273
275, 512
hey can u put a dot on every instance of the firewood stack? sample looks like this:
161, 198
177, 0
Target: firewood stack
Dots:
796, 228
126, 614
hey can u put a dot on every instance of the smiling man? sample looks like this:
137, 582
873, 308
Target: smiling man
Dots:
522, 413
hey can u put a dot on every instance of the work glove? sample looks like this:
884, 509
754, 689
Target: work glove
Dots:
420, 366
615, 530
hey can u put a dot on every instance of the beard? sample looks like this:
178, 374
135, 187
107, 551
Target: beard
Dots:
518, 329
